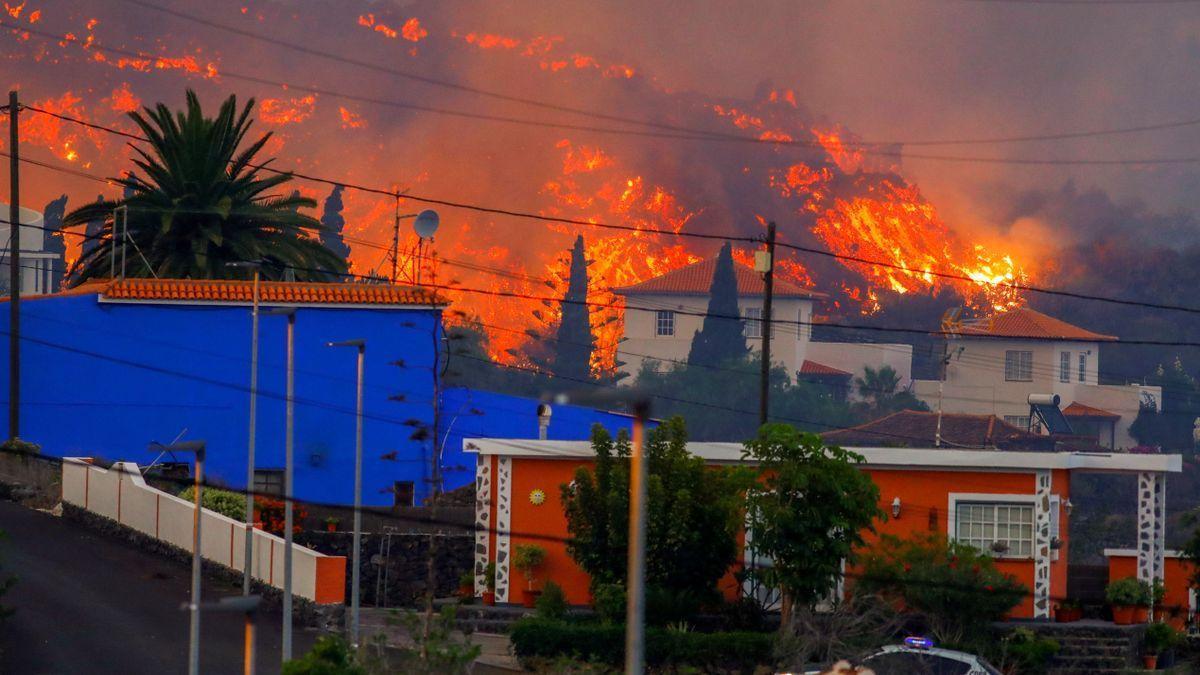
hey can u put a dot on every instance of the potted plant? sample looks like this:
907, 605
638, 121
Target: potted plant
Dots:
331, 524
489, 576
466, 585
1125, 596
528, 558
1158, 592
999, 547
1159, 638
1068, 611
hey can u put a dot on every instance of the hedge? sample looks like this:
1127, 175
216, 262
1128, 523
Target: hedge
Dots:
605, 643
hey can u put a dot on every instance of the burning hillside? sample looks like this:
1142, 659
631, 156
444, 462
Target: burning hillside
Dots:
680, 173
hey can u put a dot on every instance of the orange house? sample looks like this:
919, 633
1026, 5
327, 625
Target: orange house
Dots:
981, 496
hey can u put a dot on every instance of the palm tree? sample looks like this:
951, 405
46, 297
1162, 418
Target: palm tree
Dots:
877, 386
198, 203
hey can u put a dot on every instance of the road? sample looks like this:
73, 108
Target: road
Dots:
85, 603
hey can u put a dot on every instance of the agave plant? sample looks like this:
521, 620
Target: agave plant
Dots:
196, 202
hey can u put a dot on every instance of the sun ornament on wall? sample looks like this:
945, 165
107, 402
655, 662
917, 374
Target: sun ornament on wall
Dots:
537, 497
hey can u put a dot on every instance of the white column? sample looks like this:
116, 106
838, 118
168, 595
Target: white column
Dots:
503, 525
1151, 525
1041, 545
483, 519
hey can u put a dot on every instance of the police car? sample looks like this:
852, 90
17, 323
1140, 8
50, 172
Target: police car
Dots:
918, 656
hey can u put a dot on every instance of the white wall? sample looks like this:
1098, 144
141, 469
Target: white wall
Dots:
122, 495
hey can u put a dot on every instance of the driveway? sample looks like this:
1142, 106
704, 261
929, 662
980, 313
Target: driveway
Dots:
85, 603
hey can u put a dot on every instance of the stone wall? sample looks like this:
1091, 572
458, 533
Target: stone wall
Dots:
30, 478
394, 566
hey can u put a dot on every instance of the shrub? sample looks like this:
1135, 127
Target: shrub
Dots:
552, 604
1128, 591
1161, 637
271, 513
489, 576
609, 602
224, 502
528, 558
1026, 652
331, 655
956, 587
19, 446
605, 643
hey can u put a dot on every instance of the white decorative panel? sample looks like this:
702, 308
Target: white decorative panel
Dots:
1041, 546
503, 525
483, 519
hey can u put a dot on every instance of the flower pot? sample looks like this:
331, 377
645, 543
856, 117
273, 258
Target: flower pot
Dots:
1067, 614
466, 591
1141, 614
331, 527
1123, 614
529, 598
489, 597
1150, 661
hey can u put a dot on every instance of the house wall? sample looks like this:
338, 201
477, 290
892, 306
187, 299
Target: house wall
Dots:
920, 492
640, 339
975, 383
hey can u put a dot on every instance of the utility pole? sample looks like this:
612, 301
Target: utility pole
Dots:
14, 270
766, 265
635, 601
396, 240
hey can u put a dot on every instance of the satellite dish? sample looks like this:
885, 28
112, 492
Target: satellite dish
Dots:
426, 223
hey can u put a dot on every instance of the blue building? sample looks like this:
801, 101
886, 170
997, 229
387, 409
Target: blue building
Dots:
108, 367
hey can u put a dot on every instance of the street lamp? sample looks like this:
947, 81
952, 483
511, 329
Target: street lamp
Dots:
361, 346
248, 558
197, 447
240, 604
288, 494
635, 600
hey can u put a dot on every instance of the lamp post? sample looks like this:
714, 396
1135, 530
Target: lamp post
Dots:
288, 493
240, 604
635, 598
248, 557
361, 346
197, 447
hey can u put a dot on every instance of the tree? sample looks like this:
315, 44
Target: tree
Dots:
52, 240
693, 513
198, 200
878, 388
721, 337
574, 341
332, 223
807, 514
93, 231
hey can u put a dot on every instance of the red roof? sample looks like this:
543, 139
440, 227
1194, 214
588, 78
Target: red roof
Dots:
1026, 323
1077, 409
696, 279
270, 292
918, 429
814, 368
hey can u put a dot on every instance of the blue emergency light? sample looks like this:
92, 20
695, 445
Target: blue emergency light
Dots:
918, 642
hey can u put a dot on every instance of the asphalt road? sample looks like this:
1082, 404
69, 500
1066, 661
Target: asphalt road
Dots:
85, 603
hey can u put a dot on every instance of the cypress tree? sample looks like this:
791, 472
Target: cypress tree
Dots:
52, 240
574, 341
720, 339
332, 224
92, 232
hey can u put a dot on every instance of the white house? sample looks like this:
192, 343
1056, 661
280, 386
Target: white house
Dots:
994, 364
39, 274
664, 313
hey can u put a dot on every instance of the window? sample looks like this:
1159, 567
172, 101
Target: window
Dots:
1019, 421
405, 492
664, 323
1082, 366
1018, 366
268, 481
1064, 366
753, 317
982, 524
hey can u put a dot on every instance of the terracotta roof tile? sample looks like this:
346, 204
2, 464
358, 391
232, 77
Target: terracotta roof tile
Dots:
1077, 409
270, 292
918, 429
696, 279
1027, 323
814, 368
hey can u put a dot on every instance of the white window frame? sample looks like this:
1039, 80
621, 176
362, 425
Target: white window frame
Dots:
664, 323
1014, 370
1083, 367
1005, 499
1019, 421
1064, 367
753, 320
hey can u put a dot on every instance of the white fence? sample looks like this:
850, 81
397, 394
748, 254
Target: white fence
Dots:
120, 493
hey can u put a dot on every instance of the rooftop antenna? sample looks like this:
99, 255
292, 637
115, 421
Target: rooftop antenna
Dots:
425, 226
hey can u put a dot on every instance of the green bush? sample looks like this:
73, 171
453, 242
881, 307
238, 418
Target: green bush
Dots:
609, 602
1161, 637
605, 643
1128, 591
19, 446
1026, 651
552, 604
331, 655
224, 502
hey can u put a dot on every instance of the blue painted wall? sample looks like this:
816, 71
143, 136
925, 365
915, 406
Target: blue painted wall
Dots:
105, 379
